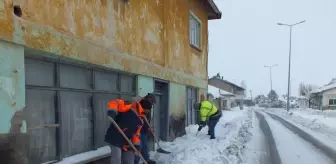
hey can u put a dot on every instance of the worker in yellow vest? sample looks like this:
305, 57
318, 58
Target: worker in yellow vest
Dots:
209, 115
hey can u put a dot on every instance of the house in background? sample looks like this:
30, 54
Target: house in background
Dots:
222, 99
61, 62
324, 97
238, 91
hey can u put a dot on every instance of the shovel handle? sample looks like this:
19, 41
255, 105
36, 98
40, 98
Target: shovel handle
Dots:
126, 138
151, 129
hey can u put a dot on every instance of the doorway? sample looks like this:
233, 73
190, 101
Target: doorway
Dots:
161, 109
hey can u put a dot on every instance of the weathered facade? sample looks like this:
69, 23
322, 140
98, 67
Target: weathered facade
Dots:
52, 51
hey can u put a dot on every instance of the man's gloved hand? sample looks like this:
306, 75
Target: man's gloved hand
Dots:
137, 147
201, 125
138, 152
199, 128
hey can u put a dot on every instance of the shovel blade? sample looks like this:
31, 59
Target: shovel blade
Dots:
162, 151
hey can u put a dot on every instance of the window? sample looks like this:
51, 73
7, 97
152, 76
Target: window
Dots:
195, 31
332, 102
74, 97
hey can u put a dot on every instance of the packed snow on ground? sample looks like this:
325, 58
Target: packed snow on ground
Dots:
302, 152
323, 122
232, 133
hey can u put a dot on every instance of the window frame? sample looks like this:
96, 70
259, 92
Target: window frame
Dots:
92, 90
334, 102
194, 92
195, 18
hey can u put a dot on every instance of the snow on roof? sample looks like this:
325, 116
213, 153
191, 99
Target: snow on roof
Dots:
216, 92
302, 97
324, 88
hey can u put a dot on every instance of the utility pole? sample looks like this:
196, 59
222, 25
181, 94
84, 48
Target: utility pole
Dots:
289, 56
270, 68
251, 97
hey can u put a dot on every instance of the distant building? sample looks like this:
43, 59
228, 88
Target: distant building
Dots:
324, 97
238, 91
221, 98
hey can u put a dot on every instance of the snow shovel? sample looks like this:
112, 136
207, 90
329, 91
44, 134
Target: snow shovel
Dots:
129, 142
159, 150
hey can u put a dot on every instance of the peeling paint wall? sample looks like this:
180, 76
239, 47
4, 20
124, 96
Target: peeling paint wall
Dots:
12, 88
145, 85
12, 101
148, 37
177, 110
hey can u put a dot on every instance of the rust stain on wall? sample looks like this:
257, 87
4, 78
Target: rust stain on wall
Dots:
149, 37
6, 21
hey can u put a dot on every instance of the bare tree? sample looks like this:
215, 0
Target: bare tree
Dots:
305, 89
273, 96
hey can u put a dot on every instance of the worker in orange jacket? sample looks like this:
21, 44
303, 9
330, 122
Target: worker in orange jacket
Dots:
128, 117
147, 104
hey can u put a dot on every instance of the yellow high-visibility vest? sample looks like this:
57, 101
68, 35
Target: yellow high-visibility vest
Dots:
207, 110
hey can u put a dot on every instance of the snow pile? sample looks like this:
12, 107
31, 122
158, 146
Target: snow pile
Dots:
87, 156
231, 132
323, 122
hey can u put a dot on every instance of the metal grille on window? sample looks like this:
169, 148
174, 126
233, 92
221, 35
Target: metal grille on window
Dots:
191, 113
73, 97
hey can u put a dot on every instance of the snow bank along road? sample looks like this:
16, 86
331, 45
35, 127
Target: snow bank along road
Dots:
232, 134
289, 144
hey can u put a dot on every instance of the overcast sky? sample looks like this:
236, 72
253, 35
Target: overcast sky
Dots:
248, 37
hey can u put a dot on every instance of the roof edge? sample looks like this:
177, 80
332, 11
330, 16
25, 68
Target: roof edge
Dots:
217, 14
226, 81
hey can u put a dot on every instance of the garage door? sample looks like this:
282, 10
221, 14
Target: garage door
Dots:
75, 97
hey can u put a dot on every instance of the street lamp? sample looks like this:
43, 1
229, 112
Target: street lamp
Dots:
270, 68
290, 52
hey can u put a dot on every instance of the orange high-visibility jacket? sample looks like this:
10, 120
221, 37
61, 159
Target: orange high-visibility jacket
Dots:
128, 117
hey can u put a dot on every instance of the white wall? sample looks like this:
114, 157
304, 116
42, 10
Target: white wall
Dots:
330, 94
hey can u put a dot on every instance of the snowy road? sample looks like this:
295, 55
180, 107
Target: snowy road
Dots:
287, 144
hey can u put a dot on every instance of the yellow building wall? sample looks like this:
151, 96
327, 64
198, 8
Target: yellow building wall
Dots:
148, 37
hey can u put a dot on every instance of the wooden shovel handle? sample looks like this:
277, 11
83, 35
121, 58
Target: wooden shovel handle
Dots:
146, 120
126, 138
